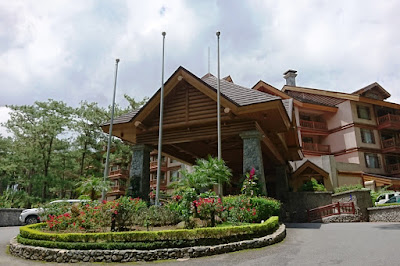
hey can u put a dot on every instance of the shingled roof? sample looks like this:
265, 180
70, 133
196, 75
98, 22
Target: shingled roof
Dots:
314, 98
238, 95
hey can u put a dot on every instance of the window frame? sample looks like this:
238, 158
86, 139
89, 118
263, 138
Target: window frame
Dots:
364, 139
359, 112
368, 165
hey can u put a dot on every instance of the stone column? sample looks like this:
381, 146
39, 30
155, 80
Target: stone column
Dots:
282, 185
139, 175
252, 156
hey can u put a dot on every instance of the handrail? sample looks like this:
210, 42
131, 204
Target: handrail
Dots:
387, 143
388, 118
316, 147
330, 210
313, 124
393, 168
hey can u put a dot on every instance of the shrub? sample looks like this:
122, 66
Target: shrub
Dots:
207, 208
347, 188
145, 239
244, 209
312, 185
250, 186
157, 216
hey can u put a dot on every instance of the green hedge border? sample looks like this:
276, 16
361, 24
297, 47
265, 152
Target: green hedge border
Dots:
29, 235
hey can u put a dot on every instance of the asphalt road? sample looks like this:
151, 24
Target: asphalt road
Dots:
305, 244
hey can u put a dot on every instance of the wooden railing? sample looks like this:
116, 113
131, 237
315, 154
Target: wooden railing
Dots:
393, 168
330, 210
155, 164
119, 172
388, 143
388, 118
313, 124
316, 147
117, 188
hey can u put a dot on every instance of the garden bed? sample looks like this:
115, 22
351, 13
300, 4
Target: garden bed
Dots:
193, 236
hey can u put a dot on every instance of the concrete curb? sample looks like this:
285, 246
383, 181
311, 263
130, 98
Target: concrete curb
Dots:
132, 255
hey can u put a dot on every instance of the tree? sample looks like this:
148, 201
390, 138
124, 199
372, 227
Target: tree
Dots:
38, 126
93, 187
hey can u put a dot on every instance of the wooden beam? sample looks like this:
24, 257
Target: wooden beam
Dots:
140, 125
270, 145
229, 112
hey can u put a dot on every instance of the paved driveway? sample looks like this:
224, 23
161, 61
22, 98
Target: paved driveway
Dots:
305, 244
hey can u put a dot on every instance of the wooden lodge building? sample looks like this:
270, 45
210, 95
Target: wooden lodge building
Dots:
258, 130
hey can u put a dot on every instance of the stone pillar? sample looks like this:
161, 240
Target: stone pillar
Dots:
282, 185
139, 175
252, 156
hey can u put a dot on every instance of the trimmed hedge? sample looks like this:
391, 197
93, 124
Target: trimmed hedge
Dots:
146, 239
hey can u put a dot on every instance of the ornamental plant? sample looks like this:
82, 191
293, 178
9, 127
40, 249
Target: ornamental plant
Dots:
208, 208
250, 186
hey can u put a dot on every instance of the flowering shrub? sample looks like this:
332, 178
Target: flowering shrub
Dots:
244, 209
207, 208
97, 217
250, 186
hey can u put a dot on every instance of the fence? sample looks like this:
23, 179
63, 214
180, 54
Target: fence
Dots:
330, 210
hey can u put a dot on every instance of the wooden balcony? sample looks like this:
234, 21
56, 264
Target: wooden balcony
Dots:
390, 146
120, 173
117, 190
315, 148
389, 121
314, 127
393, 169
154, 165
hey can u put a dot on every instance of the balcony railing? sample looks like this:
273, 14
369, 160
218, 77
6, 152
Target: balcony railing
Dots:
389, 118
117, 188
313, 125
390, 143
314, 147
119, 172
154, 164
393, 168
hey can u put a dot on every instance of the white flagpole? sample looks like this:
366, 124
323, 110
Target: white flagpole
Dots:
159, 150
103, 194
218, 110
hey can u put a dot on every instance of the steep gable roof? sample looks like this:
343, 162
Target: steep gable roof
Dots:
374, 87
309, 165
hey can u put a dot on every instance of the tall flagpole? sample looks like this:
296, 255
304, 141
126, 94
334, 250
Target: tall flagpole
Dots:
103, 194
218, 110
159, 150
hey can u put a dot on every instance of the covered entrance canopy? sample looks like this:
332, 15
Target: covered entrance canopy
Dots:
258, 129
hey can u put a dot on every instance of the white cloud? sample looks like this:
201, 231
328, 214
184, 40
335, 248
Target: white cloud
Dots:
55, 49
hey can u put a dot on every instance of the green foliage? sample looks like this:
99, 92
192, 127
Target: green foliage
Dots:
389, 204
250, 186
205, 174
157, 216
244, 209
32, 235
347, 188
312, 185
93, 186
52, 146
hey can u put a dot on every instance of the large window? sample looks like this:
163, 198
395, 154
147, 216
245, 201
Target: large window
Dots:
363, 112
367, 136
372, 160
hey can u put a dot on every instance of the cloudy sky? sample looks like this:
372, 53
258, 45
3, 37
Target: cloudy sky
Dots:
66, 50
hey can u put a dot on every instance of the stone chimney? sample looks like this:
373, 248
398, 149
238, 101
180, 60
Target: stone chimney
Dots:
290, 77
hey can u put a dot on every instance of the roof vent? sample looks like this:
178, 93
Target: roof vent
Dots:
290, 77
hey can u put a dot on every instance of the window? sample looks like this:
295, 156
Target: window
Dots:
174, 176
372, 160
363, 112
367, 136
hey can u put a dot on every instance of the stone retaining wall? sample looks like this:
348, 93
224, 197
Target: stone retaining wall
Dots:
72, 256
9, 217
361, 199
299, 202
384, 214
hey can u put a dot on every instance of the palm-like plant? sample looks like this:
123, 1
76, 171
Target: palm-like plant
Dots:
93, 186
205, 174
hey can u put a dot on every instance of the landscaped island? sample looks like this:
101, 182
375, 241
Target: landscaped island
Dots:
192, 222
